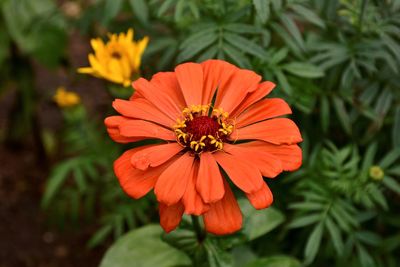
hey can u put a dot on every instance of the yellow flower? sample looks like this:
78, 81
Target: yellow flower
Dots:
376, 173
65, 98
118, 59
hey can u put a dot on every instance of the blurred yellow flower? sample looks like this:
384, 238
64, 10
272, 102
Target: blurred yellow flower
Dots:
118, 59
376, 173
65, 99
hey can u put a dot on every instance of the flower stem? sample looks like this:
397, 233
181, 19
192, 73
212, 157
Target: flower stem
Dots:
200, 233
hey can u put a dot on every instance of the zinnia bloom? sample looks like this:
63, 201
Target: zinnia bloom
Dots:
117, 60
66, 99
211, 117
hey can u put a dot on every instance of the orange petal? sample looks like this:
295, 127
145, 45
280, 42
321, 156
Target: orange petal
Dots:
231, 94
134, 182
276, 131
263, 89
172, 183
168, 83
141, 108
261, 199
262, 110
157, 97
289, 155
170, 216
190, 77
112, 124
216, 72
242, 173
191, 199
224, 216
145, 129
209, 182
155, 155
269, 165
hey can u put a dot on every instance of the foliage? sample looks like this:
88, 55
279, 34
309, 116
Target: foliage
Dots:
337, 64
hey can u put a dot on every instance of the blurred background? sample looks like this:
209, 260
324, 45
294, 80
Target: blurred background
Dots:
336, 62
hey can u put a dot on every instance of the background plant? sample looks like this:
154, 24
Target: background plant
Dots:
337, 64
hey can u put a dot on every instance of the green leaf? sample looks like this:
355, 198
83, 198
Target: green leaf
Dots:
396, 128
275, 261
390, 158
236, 56
195, 47
392, 184
245, 45
325, 113
242, 28
182, 239
111, 10
335, 235
55, 181
305, 220
259, 222
313, 243
99, 236
308, 15
143, 247
344, 118
262, 9
291, 26
141, 10
216, 256
303, 69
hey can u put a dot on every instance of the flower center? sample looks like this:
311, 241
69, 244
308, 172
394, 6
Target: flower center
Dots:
116, 55
202, 126
199, 132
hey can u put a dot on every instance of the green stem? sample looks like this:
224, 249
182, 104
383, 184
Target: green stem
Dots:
200, 233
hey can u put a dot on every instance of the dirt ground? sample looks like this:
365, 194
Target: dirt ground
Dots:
27, 239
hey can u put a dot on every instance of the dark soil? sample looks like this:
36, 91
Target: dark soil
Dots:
27, 239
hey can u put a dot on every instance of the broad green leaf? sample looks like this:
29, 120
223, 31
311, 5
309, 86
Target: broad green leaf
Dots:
275, 261
143, 247
259, 222
303, 69
313, 243
141, 10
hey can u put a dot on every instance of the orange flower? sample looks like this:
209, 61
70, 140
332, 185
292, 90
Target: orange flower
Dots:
202, 111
